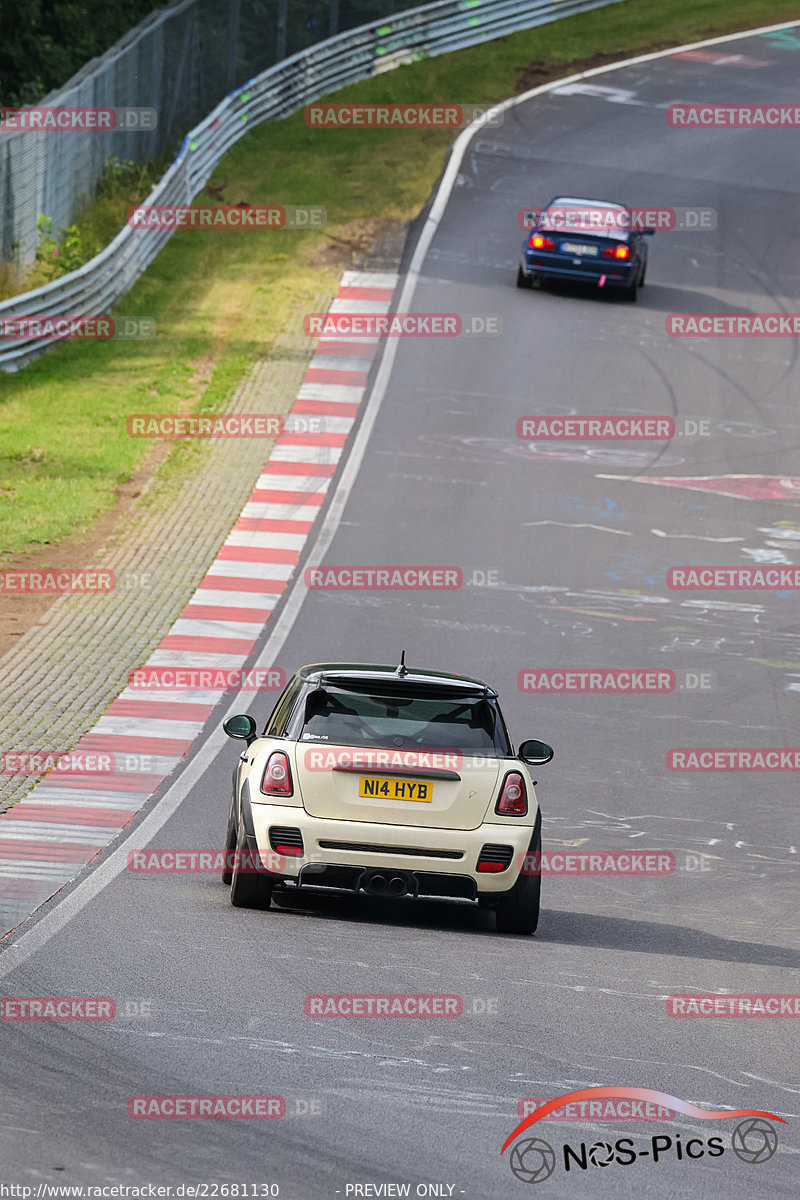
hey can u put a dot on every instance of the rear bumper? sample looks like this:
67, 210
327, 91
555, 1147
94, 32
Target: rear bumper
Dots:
443, 862
548, 267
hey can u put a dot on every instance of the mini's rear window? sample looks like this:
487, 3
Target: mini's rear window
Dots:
338, 716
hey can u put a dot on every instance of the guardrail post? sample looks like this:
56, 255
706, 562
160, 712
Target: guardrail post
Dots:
280, 39
233, 44
333, 18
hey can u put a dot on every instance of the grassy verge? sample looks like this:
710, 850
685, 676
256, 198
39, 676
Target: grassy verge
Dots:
220, 298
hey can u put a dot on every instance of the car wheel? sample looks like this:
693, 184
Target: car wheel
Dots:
631, 292
518, 910
230, 846
249, 889
523, 280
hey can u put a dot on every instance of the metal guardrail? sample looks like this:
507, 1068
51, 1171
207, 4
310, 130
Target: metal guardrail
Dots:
371, 49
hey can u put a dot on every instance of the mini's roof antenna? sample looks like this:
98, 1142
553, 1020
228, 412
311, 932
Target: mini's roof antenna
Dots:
402, 670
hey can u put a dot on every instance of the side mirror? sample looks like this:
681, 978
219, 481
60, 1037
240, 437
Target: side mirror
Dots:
243, 727
536, 753
648, 232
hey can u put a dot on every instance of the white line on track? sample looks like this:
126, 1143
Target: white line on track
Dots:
696, 537
569, 525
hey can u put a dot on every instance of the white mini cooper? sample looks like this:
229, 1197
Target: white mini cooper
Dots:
395, 782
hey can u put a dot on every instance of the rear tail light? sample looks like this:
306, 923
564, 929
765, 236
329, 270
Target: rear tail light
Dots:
513, 800
288, 842
538, 242
617, 252
277, 779
493, 859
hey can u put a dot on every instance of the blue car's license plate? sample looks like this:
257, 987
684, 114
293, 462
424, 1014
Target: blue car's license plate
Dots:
578, 248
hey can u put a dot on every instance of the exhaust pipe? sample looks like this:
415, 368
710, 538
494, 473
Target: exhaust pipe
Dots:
378, 884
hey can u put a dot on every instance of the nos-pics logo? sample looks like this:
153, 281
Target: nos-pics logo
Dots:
533, 1160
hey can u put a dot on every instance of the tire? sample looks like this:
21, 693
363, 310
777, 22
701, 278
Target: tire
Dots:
518, 910
249, 889
230, 845
523, 281
631, 293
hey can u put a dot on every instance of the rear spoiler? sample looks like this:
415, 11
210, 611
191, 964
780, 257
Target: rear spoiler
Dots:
408, 685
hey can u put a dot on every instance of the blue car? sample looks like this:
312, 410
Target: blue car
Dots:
589, 241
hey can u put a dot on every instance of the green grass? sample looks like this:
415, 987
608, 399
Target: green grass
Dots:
220, 298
